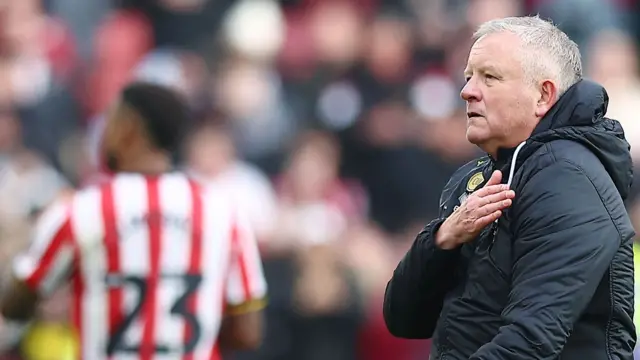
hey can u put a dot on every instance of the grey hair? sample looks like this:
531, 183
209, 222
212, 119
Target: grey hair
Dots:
546, 50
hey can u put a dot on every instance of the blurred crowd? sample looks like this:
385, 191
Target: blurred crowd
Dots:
334, 123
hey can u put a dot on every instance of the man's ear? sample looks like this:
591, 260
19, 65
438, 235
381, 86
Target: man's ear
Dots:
548, 97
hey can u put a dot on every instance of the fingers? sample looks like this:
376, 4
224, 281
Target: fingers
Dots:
493, 185
497, 197
495, 179
486, 220
493, 207
493, 210
491, 189
485, 205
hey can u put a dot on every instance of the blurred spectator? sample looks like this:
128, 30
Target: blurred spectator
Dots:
39, 63
315, 204
212, 158
327, 306
27, 185
255, 29
184, 71
582, 19
613, 61
250, 95
384, 149
82, 18
120, 42
479, 11
185, 24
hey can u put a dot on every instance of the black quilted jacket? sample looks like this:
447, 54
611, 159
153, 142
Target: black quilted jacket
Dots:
553, 279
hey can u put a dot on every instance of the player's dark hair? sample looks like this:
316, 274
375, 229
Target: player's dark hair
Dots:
164, 113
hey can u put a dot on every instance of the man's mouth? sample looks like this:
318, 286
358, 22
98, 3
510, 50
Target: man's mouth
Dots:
472, 114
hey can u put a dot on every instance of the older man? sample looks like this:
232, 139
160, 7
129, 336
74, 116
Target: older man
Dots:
531, 257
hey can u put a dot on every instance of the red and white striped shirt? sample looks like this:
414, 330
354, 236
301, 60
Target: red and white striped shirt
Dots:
153, 262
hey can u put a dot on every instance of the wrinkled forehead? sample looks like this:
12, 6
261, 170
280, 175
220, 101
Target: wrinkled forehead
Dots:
496, 51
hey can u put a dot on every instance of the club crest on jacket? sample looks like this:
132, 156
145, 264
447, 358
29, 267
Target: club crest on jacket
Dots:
474, 181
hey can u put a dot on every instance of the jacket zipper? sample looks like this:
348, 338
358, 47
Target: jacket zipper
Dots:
494, 231
494, 236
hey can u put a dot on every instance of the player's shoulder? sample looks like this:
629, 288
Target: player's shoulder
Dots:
172, 185
215, 196
92, 193
222, 203
170, 179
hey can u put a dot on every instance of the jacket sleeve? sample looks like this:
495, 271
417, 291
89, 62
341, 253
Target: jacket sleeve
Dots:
414, 295
564, 241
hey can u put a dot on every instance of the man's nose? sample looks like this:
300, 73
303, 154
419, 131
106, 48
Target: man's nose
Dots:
470, 91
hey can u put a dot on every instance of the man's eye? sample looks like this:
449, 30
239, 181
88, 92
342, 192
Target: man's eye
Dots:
489, 76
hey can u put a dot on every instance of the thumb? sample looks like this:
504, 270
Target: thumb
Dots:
495, 179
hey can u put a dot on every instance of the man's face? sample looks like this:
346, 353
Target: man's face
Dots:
210, 151
501, 102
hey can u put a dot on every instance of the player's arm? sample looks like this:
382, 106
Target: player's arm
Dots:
37, 272
243, 322
565, 239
